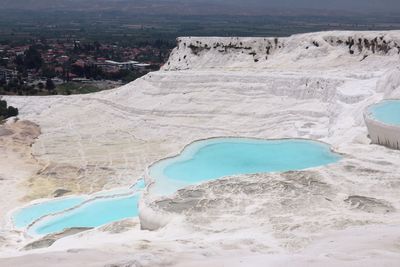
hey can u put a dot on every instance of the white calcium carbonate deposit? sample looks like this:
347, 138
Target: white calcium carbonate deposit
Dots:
314, 86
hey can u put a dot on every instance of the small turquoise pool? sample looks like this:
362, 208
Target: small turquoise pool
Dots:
91, 214
81, 211
387, 111
27, 215
215, 158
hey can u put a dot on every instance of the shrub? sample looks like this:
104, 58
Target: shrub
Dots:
12, 112
6, 112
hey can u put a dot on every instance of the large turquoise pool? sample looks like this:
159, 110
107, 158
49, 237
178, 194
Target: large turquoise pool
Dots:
387, 111
215, 158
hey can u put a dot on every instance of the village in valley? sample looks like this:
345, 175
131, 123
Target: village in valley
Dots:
70, 66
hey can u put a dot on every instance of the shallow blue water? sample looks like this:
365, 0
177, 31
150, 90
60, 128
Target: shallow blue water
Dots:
199, 162
92, 214
387, 111
102, 210
29, 214
215, 158
139, 185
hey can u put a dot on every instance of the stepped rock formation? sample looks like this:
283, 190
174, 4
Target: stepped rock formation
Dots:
313, 86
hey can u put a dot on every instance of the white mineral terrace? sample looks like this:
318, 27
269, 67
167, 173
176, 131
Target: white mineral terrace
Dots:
382, 133
314, 86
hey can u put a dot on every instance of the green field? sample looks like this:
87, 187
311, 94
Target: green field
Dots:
76, 88
130, 30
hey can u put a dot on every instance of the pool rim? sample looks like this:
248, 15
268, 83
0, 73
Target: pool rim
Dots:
377, 130
369, 116
87, 198
150, 181
30, 229
152, 218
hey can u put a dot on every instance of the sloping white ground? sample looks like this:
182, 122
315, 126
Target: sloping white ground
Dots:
310, 86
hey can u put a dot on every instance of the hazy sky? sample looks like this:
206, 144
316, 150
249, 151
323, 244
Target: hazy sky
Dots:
370, 5
258, 5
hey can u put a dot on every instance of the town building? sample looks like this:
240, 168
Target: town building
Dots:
7, 75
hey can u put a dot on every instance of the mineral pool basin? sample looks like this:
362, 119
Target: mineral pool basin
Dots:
93, 213
219, 157
25, 216
387, 112
55, 215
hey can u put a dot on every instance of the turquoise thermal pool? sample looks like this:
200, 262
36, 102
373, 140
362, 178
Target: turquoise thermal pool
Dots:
215, 158
27, 215
80, 211
91, 214
387, 111
199, 162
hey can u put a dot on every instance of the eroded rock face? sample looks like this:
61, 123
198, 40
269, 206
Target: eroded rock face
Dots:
121, 226
49, 240
129, 263
5, 132
369, 204
383, 134
42, 243
70, 178
20, 131
285, 203
192, 52
60, 192
244, 191
16, 161
285, 191
289, 205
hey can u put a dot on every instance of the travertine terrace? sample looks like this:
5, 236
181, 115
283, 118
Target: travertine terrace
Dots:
314, 86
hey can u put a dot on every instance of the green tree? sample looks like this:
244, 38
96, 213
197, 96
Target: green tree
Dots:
50, 86
33, 59
40, 86
12, 112
3, 108
48, 72
6, 112
78, 70
19, 62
